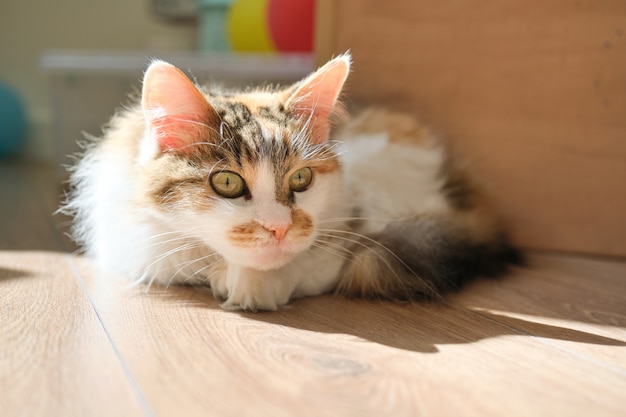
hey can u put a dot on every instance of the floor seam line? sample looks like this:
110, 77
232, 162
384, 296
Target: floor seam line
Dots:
138, 393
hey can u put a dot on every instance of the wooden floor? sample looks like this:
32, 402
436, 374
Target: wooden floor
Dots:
548, 340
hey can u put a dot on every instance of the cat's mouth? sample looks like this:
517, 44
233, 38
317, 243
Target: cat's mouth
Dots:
265, 248
273, 255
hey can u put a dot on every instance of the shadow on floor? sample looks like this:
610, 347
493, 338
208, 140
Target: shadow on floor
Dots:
418, 327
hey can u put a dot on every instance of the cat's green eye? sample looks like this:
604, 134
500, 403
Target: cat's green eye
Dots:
301, 179
228, 184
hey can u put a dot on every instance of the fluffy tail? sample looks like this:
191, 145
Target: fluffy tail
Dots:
422, 258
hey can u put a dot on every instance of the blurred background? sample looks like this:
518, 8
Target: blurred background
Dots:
66, 65
532, 95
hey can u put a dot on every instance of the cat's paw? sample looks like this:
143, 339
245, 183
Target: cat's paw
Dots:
248, 303
254, 290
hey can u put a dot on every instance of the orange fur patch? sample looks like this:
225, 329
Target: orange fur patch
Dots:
249, 234
401, 127
253, 234
302, 223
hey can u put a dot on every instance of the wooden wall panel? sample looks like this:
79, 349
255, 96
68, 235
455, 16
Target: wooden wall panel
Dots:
532, 94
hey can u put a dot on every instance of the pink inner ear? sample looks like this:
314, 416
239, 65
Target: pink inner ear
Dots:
179, 132
316, 98
176, 111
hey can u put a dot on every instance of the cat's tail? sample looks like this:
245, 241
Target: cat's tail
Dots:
425, 256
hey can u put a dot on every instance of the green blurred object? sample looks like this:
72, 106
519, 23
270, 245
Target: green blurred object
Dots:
12, 121
212, 15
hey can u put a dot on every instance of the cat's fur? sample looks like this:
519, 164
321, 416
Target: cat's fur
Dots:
387, 214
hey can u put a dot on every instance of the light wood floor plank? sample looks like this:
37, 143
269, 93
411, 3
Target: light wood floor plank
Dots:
329, 356
577, 303
55, 358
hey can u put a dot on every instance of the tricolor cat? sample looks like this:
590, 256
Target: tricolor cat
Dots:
260, 196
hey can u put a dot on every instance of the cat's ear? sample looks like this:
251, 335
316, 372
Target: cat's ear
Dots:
316, 97
177, 113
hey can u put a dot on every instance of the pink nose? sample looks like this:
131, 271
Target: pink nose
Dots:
279, 231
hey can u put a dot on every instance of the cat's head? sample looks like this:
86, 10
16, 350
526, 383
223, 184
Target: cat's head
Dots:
253, 175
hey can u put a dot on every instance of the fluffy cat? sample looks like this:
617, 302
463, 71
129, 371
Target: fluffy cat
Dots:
258, 195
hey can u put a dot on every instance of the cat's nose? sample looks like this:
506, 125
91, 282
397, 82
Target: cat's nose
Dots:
279, 231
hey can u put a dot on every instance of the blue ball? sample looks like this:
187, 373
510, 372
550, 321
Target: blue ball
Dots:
12, 121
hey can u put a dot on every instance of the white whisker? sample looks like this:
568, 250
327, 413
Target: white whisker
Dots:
320, 245
329, 233
367, 219
184, 265
347, 254
204, 267
161, 257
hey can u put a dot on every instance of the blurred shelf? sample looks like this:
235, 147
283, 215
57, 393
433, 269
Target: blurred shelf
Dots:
268, 67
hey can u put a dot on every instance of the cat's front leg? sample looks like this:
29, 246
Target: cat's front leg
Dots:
217, 275
252, 290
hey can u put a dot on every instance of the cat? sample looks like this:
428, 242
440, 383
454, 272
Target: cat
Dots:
259, 195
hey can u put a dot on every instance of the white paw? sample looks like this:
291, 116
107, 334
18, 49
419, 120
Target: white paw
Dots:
252, 290
235, 303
